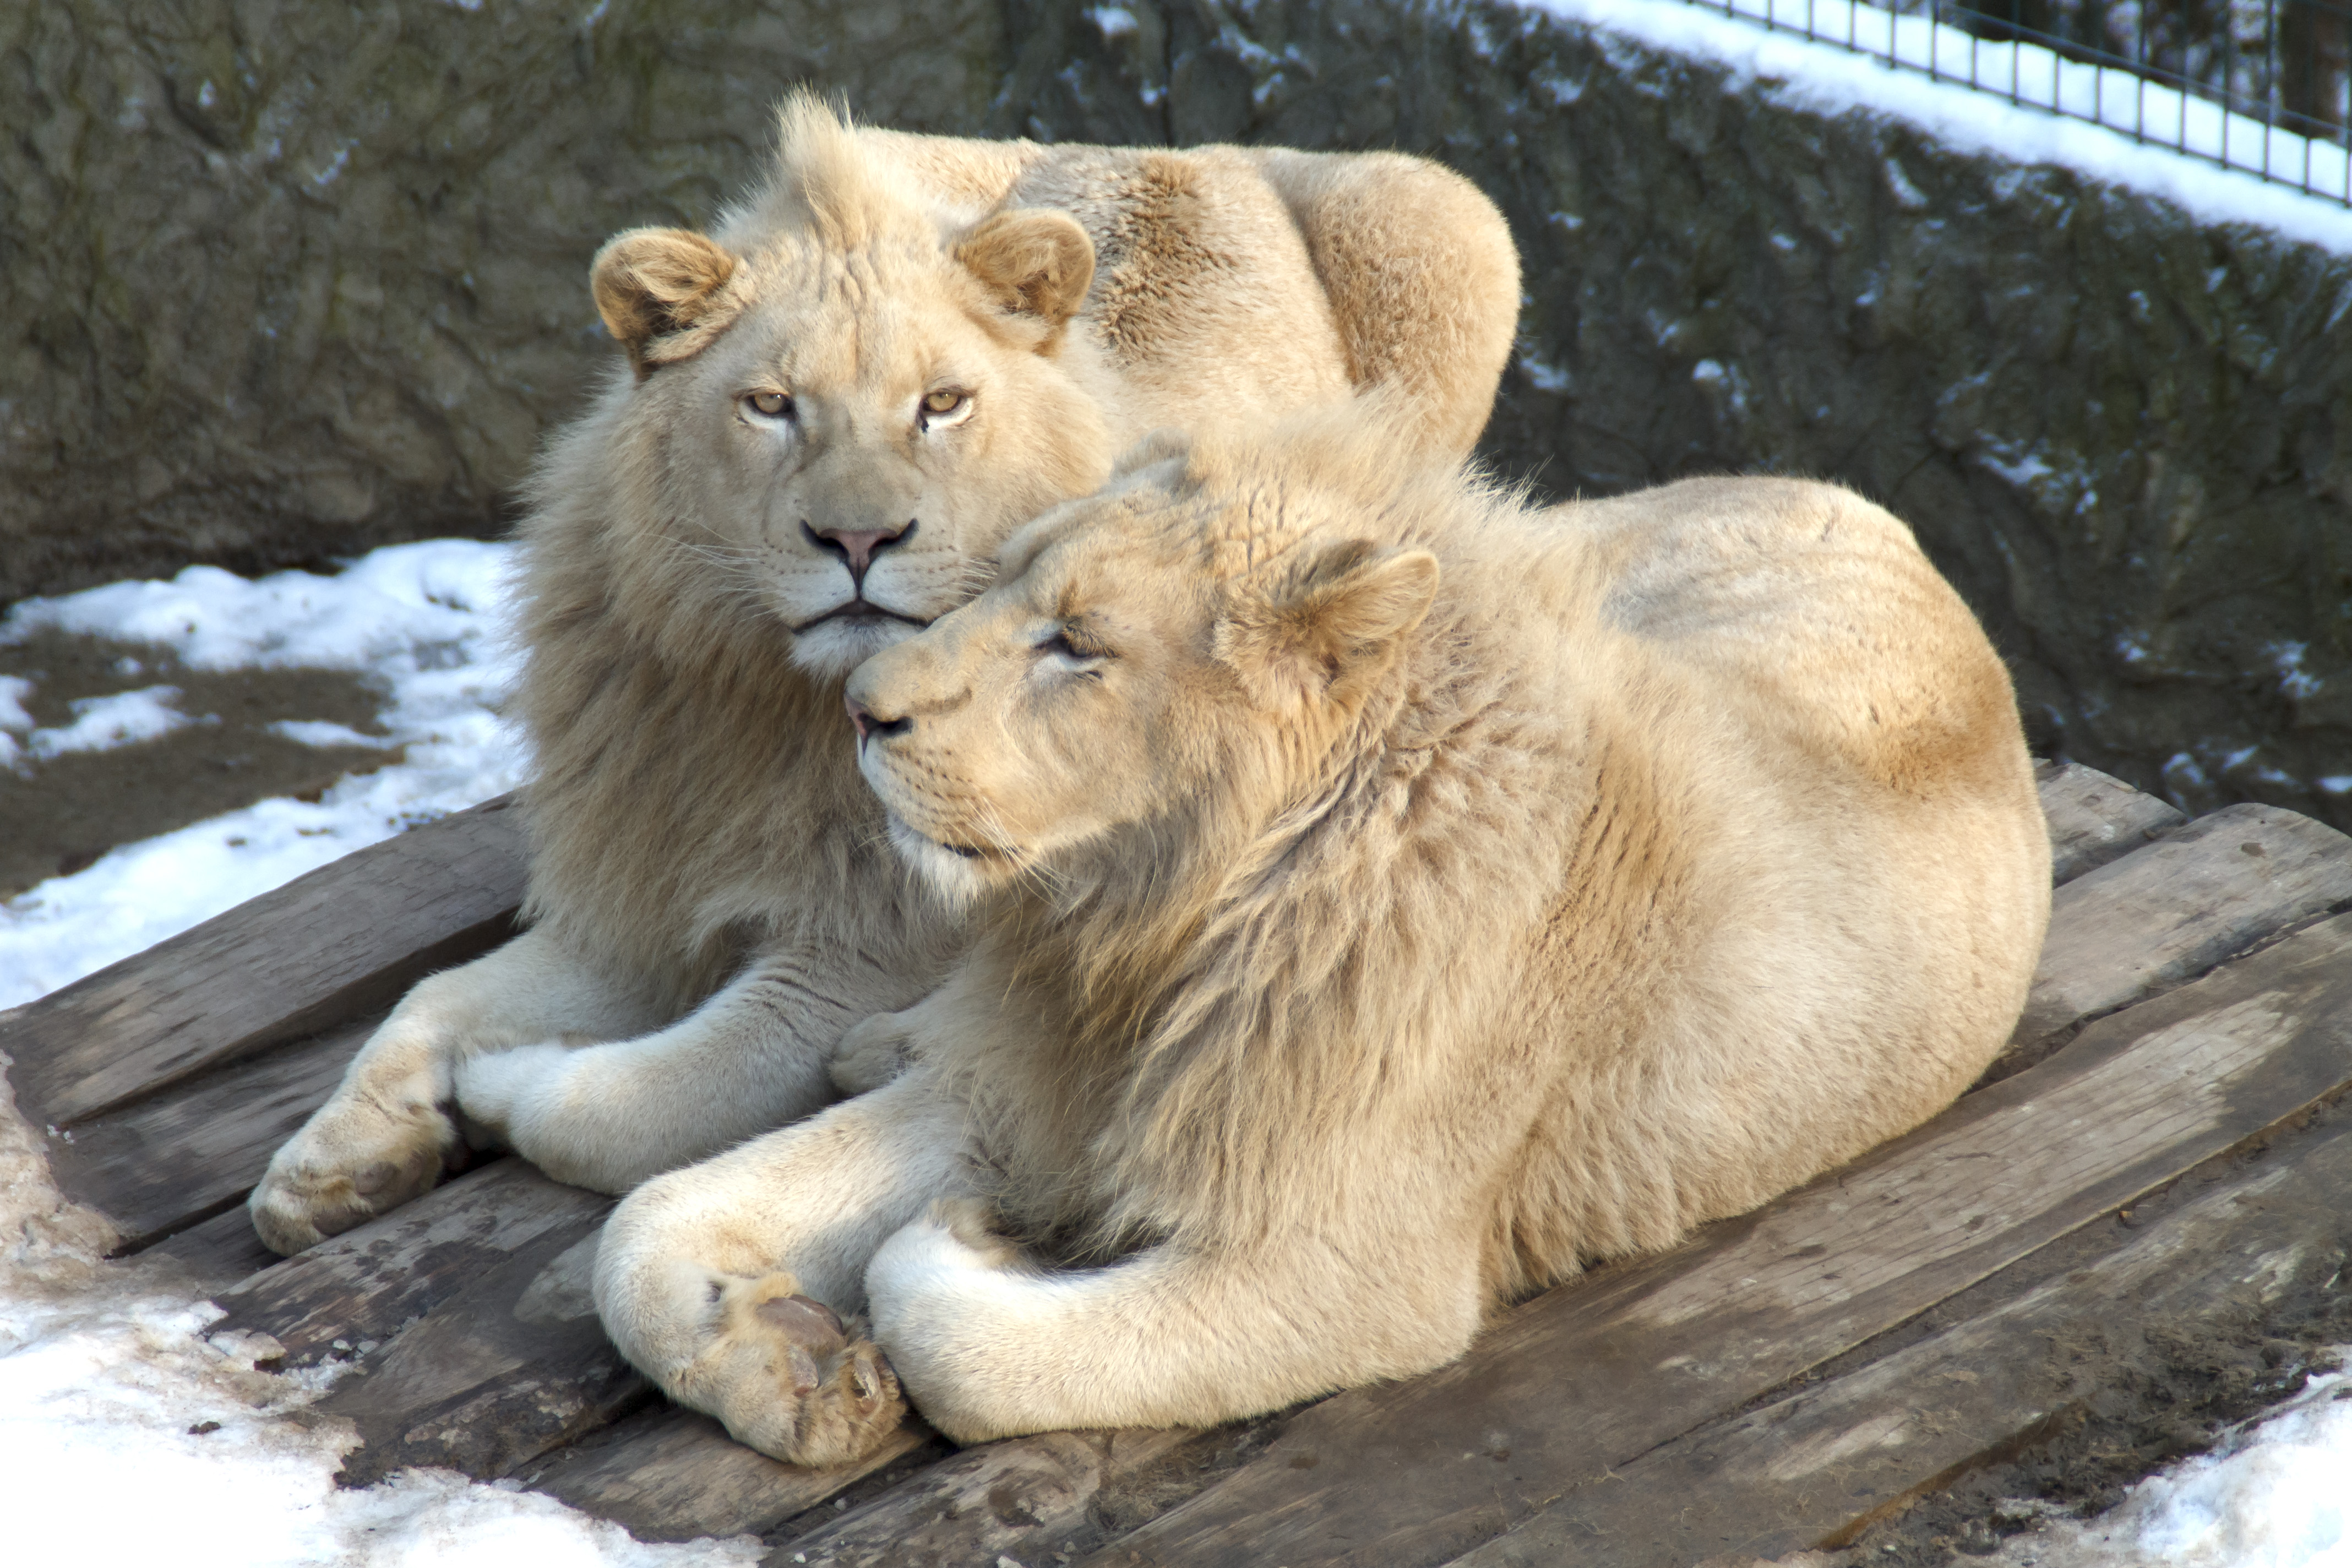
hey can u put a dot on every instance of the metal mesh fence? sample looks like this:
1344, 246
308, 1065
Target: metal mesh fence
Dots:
2261, 86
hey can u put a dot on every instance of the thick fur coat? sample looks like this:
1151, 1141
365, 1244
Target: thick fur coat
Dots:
1396, 899
835, 405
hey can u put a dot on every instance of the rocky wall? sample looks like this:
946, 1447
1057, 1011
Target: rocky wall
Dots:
281, 281
338, 299
2126, 436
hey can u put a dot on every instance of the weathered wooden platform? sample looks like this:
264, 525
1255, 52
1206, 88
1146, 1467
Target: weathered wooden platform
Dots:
1790, 1379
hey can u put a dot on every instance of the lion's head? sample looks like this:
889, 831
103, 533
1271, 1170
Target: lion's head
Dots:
1172, 657
844, 396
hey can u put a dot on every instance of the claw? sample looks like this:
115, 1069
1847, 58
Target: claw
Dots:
791, 1379
802, 1318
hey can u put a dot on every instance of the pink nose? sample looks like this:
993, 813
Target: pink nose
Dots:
859, 717
859, 546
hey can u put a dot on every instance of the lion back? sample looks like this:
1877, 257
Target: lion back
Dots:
1819, 610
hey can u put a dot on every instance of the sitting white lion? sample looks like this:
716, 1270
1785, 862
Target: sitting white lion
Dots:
1396, 897
844, 398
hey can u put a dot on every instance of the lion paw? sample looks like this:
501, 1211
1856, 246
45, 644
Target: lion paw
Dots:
344, 1170
790, 1379
872, 1053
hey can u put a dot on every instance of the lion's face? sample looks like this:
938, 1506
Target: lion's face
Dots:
845, 437
1116, 677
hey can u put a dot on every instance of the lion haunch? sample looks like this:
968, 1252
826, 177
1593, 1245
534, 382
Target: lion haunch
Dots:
835, 407
1393, 898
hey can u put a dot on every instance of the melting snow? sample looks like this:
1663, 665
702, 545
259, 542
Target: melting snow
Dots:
424, 620
130, 1436
100, 722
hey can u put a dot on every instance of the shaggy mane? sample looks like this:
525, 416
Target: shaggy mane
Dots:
1210, 966
826, 182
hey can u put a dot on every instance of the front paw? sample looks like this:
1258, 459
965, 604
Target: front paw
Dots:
872, 1053
789, 1379
497, 1088
349, 1164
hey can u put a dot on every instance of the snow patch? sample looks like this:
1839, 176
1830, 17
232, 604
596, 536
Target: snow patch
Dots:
13, 690
1542, 376
2294, 681
101, 723
425, 620
130, 1432
321, 732
2272, 1494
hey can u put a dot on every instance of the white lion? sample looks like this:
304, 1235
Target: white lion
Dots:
844, 398
1396, 899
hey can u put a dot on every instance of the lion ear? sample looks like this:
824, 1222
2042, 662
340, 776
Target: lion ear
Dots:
1035, 261
1338, 627
663, 292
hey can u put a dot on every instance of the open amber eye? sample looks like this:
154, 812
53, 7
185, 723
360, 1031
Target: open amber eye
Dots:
770, 404
947, 400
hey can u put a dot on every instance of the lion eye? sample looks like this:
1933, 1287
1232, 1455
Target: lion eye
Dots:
1086, 655
769, 404
947, 406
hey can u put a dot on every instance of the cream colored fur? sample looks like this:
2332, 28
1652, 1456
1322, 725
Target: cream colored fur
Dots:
893, 354
1397, 898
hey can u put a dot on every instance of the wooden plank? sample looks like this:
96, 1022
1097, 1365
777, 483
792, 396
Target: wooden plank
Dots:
368, 1283
347, 939
215, 1254
2173, 911
509, 1366
1584, 1379
670, 1474
177, 1158
1021, 1500
468, 1317
182, 1157
1818, 1469
2094, 819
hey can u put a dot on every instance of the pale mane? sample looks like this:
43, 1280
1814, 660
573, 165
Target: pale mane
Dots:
837, 185
1226, 964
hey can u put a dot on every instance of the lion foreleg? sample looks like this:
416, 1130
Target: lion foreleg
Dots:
1172, 1337
607, 1116
387, 1134
735, 1284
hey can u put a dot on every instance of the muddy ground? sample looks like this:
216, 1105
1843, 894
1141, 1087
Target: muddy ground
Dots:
59, 815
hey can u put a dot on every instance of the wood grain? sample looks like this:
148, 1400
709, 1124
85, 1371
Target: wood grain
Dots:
509, 1366
2094, 819
1818, 1469
1019, 1499
178, 1157
171, 1161
1588, 1378
2173, 909
346, 940
370, 1282
215, 1254
670, 1474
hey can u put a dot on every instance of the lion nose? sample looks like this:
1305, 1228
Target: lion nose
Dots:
858, 547
868, 724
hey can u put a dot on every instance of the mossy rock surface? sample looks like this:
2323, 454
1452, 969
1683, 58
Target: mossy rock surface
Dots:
288, 281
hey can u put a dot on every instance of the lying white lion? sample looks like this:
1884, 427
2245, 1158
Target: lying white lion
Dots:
846, 397
1397, 898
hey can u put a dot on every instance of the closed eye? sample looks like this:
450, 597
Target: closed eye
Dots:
1085, 658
